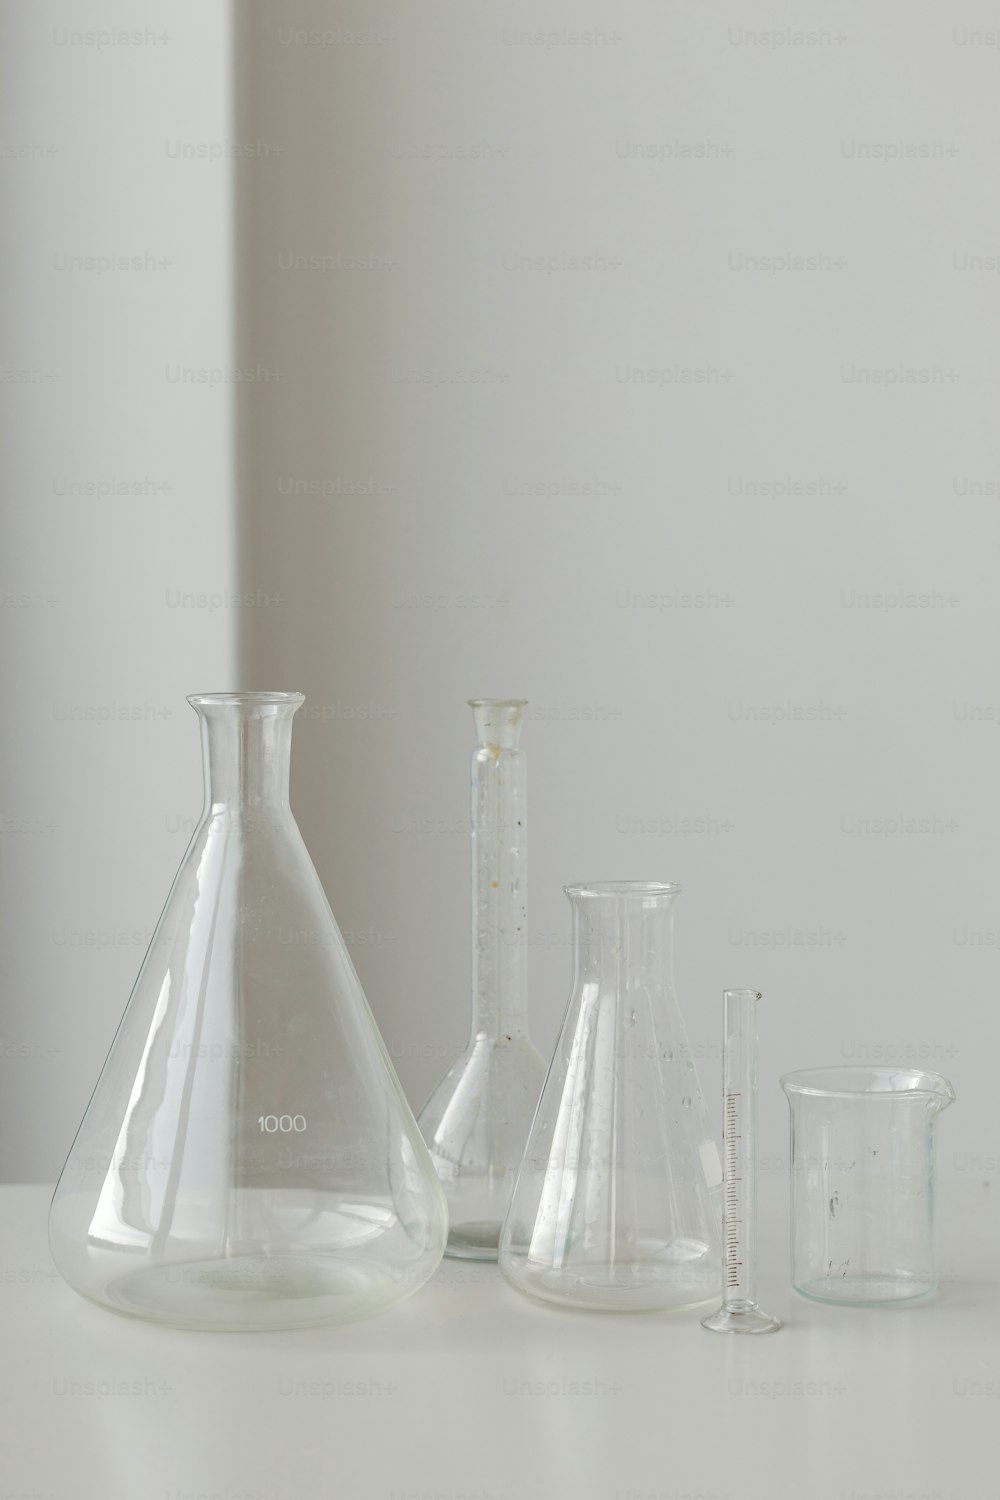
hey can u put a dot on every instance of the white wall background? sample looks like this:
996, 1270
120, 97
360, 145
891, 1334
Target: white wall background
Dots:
95, 624
456, 484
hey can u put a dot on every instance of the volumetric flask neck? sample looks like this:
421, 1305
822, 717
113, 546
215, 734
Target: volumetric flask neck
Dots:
499, 887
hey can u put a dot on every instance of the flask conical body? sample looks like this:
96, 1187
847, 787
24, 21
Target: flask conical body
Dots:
248, 1159
476, 1121
617, 1204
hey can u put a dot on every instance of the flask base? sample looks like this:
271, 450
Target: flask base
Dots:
254, 1293
639, 1285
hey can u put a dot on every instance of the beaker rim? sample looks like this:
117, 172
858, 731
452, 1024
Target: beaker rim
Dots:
222, 700
498, 702
846, 1081
637, 889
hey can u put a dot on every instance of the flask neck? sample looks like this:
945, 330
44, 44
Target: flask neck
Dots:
246, 749
623, 937
499, 873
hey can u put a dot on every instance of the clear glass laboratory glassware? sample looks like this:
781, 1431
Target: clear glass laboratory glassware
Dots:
617, 1205
740, 1312
862, 1182
248, 1159
476, 1121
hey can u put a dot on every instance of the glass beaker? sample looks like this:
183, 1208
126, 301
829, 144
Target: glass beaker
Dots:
862, 1182
617, 1205
476, 1121
248, 1159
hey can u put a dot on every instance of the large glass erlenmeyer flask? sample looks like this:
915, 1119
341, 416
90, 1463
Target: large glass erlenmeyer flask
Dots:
476, 1121
248, 1159
617, 1204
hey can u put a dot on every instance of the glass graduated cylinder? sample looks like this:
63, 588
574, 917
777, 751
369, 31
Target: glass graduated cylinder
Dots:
739, 1312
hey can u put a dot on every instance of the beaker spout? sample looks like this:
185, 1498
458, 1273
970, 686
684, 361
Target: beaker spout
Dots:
941, 1091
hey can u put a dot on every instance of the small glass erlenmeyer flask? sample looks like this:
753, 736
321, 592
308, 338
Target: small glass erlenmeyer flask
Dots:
248, 1159
862, 1182
476, 1121
617, 1204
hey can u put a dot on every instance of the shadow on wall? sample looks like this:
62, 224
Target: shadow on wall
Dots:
370, 581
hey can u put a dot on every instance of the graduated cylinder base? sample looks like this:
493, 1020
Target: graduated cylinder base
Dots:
747, 1319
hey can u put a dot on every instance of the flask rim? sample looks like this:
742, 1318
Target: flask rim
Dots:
875, 1081
251, 700
636, 890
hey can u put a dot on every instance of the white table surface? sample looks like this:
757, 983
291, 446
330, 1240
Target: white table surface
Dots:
470, 1392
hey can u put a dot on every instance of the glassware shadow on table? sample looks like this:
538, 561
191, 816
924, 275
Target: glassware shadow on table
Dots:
862, 1182
476, 1120
248, 1158
617, 1205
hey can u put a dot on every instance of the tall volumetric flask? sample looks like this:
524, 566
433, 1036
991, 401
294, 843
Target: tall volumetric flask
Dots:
476, 1121
248, 1159
617, 1205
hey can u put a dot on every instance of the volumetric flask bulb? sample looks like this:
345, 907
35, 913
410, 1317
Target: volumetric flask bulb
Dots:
248, 1159
617, 1205
476, 1121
